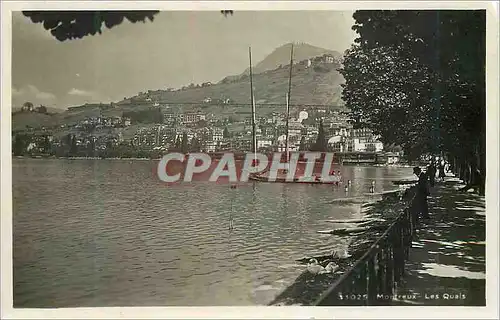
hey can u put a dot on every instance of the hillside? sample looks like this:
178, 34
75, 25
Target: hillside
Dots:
49, 109
281, 56
319, 84
32, 119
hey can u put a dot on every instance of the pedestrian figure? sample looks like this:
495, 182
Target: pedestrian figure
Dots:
431, 170
420, 200
442, 174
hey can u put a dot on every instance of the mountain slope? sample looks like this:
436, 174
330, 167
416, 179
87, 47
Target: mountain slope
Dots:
319, 84
281, 56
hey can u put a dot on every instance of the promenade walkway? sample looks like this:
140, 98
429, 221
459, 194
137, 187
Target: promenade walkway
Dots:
447, 265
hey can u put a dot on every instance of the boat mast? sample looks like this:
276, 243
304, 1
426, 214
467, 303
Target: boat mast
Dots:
254, 137
288, 103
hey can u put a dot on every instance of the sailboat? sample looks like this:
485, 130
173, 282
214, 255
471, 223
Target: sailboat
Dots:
281, 177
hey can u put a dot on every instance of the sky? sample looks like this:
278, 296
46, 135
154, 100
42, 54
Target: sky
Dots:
177, 48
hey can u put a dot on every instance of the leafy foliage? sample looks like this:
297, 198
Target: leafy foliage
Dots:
194, 145
64, 25
20, 143
184, 143
151, 115
302, 146
417, 78
321, 143
27, 106
42, 109
67, 25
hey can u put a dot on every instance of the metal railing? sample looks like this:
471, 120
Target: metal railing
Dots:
372, 280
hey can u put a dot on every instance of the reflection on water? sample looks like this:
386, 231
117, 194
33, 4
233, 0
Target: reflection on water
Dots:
107, 233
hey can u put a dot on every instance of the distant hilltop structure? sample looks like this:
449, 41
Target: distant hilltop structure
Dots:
281, 56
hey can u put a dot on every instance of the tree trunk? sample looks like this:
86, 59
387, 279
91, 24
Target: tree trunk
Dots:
482, 164
469, 172
462, 170
473, 179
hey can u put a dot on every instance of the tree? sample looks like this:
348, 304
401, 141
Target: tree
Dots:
74, 147
184, 143
225, 133
178, 144
159, 116
194, 146
46, 145
227, 12
21, 142
321, 144
27, 106
42, 109
68, 139
302, 146
202, 123
64, 25
423, 73
91, 147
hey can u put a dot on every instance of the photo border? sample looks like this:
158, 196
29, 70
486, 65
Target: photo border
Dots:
492, 179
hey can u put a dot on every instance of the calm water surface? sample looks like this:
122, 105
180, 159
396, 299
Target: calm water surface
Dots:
95, 233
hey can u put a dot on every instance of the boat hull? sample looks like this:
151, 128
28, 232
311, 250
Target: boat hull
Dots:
296, 180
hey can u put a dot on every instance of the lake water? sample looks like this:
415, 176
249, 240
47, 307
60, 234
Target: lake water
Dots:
92, 233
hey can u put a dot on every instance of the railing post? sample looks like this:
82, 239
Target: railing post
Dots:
389, 271
409, 233
372, 282
394, 244
380, 270
402, 244
381, 273
362, 286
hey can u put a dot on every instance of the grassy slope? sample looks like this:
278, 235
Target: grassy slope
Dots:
308, 87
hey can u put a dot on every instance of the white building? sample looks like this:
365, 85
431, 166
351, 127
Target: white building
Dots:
329, 59
363, 145
337, 143
294, 128
216, 134
341, 132
192, 117
264, 143
211, 146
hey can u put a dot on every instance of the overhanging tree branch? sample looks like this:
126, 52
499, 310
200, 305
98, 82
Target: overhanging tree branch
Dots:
67, 25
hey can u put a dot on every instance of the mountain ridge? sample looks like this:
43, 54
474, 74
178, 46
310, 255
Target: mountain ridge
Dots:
281, 56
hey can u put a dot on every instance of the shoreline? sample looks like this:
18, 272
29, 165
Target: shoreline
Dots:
213, 158
307, 287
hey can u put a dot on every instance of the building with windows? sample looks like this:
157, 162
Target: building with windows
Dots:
192, 117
